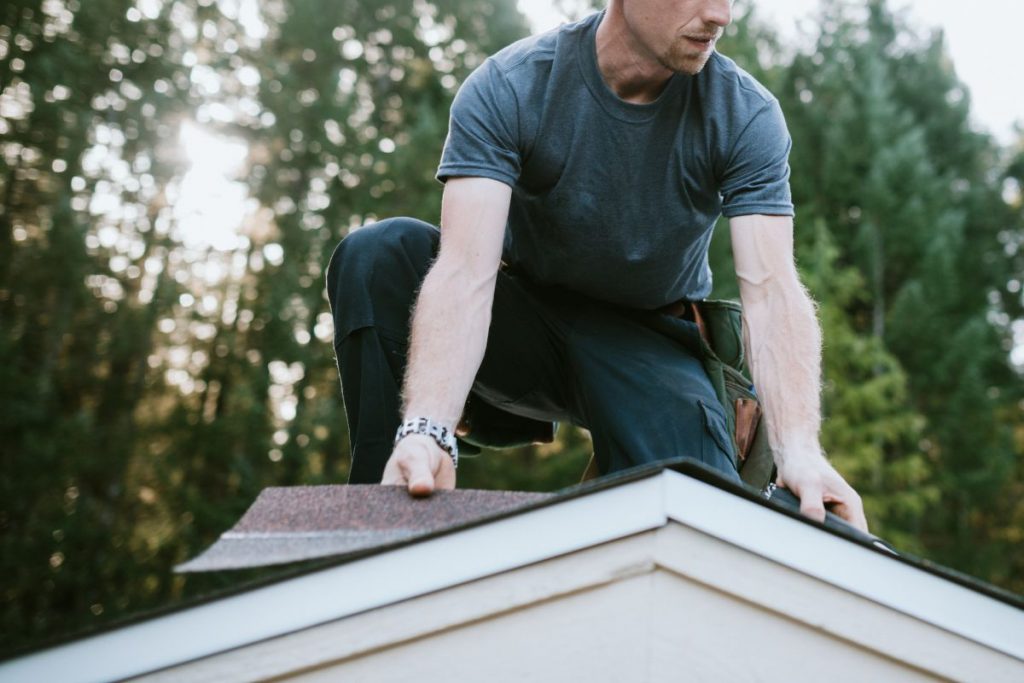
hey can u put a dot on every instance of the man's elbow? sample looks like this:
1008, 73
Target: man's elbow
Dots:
458, 276
780, 297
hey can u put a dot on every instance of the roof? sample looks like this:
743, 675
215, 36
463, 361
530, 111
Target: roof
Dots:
482, 542
300, 523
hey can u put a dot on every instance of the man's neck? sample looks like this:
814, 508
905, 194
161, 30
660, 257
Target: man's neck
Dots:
628, 68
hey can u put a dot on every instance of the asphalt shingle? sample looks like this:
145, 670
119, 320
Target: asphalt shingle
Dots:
292, 524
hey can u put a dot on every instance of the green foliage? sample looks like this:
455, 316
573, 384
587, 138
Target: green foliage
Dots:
153, 381
74, 340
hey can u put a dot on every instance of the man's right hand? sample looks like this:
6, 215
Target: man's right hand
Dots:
420, 464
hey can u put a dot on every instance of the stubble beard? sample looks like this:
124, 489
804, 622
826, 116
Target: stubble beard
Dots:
682, 58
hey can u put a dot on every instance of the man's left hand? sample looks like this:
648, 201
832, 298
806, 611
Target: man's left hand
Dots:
817, 484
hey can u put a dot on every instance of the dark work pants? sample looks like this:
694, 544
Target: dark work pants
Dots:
632, 378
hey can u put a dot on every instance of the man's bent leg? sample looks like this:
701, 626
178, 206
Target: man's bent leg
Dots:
372, 281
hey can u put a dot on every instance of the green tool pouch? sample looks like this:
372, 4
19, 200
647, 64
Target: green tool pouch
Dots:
721, 330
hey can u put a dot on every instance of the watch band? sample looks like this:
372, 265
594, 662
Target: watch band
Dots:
444, 437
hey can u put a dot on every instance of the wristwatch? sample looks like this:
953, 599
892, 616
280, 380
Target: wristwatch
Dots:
444, 437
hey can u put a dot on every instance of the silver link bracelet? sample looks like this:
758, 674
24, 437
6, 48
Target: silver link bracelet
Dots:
444, 437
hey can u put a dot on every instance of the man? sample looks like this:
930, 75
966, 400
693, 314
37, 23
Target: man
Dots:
595, 160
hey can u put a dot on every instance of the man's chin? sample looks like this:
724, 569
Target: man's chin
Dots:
691, 65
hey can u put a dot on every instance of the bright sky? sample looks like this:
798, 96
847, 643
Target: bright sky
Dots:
983, 37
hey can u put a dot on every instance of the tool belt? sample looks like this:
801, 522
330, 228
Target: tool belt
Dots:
721, 330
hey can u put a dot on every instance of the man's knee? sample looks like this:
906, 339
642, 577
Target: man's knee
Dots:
394, 243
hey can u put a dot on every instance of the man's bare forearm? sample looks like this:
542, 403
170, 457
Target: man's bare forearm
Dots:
453, 310
783, 343
781, 335
449, 335
449, 327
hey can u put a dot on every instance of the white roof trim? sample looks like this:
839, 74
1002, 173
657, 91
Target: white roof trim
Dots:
515, 541
326, 595
835, 560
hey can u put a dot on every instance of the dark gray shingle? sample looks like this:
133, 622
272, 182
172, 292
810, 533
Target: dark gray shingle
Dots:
292, 524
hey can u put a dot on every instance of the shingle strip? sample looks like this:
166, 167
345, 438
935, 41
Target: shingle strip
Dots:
293, 524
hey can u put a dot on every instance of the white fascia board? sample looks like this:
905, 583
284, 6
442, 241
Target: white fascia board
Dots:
849, 566
350, 588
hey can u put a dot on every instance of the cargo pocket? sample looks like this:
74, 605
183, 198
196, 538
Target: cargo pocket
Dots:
395, 349
716, 448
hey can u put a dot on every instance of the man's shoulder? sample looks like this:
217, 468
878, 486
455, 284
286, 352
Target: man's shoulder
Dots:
724, 78
537, 51
536, 48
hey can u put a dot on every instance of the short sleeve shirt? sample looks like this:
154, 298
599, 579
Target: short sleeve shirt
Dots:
613, 199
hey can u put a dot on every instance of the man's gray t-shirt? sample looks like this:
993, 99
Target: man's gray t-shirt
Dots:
612, 199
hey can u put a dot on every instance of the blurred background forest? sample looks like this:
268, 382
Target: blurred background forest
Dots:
165, 352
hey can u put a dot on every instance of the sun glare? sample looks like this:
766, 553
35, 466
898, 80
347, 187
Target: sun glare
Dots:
211, 204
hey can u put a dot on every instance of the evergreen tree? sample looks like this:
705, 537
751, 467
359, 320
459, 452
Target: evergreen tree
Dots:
84, 95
